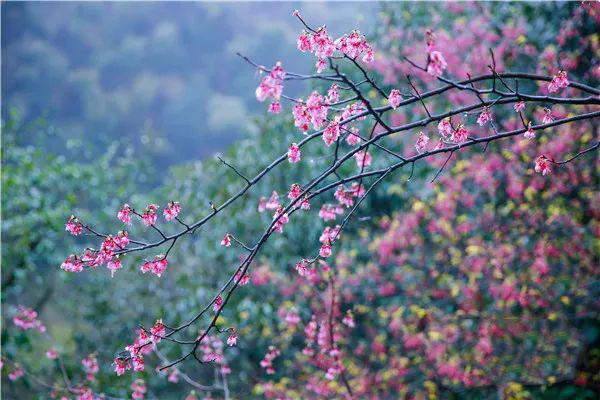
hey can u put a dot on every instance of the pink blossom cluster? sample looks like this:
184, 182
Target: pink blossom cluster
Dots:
27, 318
272, 87
267, 361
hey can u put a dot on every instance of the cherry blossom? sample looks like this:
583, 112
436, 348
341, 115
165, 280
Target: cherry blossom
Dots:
353, 137
51, 354
72, 264
73, 226
485, 116
90, 366
305, 204
122, 239
437, 64
548, 117
460, 134
124, 214
139, 389
295, 192
113, 265
349, 319
394, 98
232, 339
293, 153
422, 141
26, 318
157, 331
16, 373
332, 132
267, 361
363, 158
226, 240
333, 94
172, 210
149, 216
519, 106
275, 107
530, 133
325, 250
218, 303
445, 128
273, 203
542, 165
280, 221
558, 82
121, 365
301, 267
272, 85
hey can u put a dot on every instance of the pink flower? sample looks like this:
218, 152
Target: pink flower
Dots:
218, 303
90, 366
320, 65
520, 106
542, 165
275, 107
558, 82
172, 210
460, 134
272, 85
293, 153
232, 339
73, 226
332, 132
421, 142
353, 138
349, 319
548, 117
16, 373
262, 204
267, 361
51, 354
281, 219
436, 64
124, 214
174, 376
160, 264
138, 363
325, 250
121, 365
305, 205
445, 128
122, 239
139, 388
226, 240
113, 265
301, 268
485, 116
149, 216
294, 192
26, 318
333, 94
394, 98
363, 158
157, 331
273, 203
305, 42
530, 133
72, 264
242, 280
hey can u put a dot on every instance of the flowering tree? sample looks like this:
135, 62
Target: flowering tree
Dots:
442, 111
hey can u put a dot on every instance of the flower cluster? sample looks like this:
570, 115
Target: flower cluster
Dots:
271, 87
267, 361
26, 319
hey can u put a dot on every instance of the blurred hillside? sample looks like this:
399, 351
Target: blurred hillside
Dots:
164, 77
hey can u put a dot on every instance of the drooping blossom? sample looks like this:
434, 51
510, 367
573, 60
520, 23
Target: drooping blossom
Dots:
363, 158
90, 366
273, 203
27, 318
138, 362
437, 63
293, 153
272, 85
333, 94
542, 165
421, 142
157, 332
121, 365
16, 373
262, 204
295, 192
529, 133
394, 98
242, 279
445, 128
305, 43
139, 389
73, 226
51, 354
348, 319
353, 138
149, 216
124, 214
226, 240
275, 107
548, 117
72, 264
485, 116
157, 266
519, 106
113, 265
332, 132
559, 81
305, 205
218, 303
122, 239
460, 134
325, 250
280, 219
301, 267
172, 210
232, 339
267, 361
